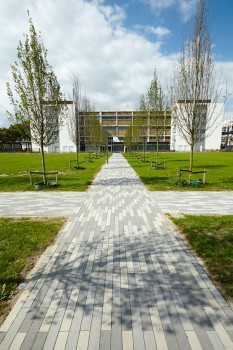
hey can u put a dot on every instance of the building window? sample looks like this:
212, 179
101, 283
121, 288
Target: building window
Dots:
109, 117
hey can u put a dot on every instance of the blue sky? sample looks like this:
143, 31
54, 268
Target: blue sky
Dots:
112, 46
172, 17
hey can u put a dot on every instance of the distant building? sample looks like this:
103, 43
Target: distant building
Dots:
118, 122
227, 134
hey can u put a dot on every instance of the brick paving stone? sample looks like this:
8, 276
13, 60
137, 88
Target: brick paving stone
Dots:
18, 340
118, 276
2, 335
149, 340
39, 340
83, 340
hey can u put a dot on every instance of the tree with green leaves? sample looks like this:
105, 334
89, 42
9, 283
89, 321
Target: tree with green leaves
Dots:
129, 137
157, 111
141, 125
19, 133
37, 96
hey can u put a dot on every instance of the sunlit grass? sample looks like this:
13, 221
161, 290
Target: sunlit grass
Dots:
218, 166
14, 170
22, 240
211, 237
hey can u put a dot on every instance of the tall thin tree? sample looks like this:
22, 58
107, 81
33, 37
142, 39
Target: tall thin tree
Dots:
194, 87
75, 117
156, 110
142, 123
38, 95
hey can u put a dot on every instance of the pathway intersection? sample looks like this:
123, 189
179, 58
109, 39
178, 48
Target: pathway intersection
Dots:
118, 276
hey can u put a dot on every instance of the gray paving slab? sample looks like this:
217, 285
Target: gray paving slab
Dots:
118, 276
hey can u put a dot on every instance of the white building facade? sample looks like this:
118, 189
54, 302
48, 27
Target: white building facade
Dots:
63, 143
211, 139
116, 123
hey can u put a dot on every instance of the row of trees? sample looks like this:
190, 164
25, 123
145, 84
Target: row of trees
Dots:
39, 99
152, 119
15, 132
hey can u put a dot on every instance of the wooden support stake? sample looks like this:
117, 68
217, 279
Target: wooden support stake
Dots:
204, 176
30, 175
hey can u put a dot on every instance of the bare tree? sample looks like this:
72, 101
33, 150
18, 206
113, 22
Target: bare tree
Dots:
38, 96
194, 88
75, 117
88, 122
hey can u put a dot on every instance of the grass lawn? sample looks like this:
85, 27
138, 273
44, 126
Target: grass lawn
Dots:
218, 166
14, 168
211, 237
22, 240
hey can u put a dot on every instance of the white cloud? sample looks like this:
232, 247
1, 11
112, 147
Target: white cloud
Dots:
158, 31
224, 72
160, 4
88, 39
186, 7
113, 14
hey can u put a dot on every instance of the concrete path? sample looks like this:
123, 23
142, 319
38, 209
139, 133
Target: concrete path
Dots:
118, 277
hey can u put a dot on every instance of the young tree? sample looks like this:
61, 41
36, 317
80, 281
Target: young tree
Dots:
194, 84
88, 122
129, 138
96, 133
142, 124
75, 118
39, 97
156, 110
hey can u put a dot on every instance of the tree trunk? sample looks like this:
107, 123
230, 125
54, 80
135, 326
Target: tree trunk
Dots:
191, 158
43, 162
144, 150
157, 151
77, 153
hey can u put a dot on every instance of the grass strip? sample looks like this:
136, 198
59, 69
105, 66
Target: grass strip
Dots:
14, 169
22, 240
211, 238
218, 166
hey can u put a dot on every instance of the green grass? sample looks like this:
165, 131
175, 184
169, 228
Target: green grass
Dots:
218, 166
14, 169
211, 237
22, 240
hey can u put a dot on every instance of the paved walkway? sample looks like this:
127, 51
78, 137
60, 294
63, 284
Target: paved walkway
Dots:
118, 277
65, 203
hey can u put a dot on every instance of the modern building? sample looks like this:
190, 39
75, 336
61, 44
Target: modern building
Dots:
227, 134
116, 123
